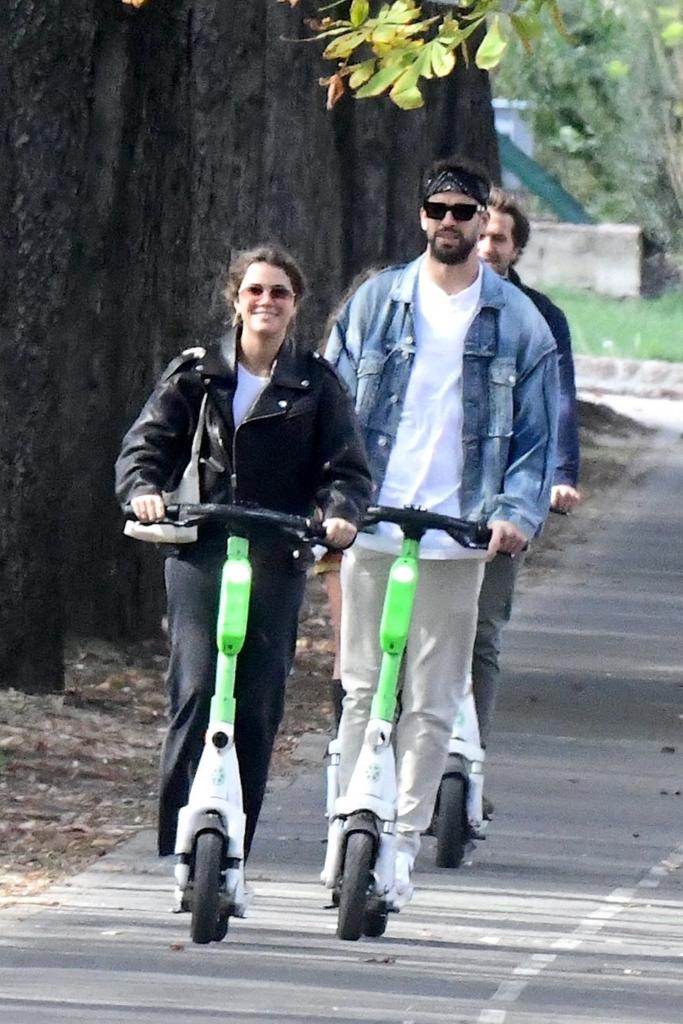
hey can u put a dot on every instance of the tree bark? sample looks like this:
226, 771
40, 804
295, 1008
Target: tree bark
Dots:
167, 137
40, 156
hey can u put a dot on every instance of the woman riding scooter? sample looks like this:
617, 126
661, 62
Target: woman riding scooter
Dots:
280, 432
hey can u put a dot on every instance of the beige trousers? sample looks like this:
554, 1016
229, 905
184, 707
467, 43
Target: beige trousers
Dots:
437, 663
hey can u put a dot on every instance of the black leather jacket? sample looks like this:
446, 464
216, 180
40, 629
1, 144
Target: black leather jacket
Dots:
298, 448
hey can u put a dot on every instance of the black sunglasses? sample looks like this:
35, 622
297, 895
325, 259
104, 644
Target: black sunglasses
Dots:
278, 292
459, 211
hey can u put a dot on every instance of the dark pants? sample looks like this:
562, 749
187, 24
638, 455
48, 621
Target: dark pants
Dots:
495, 608
192, 588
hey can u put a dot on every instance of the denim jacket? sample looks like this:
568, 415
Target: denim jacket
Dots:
510, 390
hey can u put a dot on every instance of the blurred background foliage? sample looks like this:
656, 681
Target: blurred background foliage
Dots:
607, 110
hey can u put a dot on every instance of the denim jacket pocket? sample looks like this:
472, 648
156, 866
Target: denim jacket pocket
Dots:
502, 379
369, 376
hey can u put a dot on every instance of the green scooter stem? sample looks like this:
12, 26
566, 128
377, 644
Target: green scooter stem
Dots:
233, 612
394, 628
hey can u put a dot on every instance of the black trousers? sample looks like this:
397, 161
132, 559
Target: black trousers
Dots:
192, 588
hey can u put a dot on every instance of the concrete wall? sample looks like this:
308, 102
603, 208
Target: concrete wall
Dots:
605, 258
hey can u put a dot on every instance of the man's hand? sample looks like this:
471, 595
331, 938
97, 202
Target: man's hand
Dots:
564, 497
339, 532
149, 508
505, 536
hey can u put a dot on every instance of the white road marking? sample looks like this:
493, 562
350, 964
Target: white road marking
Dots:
616, 901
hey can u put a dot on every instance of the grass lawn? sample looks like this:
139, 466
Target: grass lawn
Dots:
630, 328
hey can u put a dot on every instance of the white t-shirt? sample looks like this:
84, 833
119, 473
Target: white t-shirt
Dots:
249, 387
426, 463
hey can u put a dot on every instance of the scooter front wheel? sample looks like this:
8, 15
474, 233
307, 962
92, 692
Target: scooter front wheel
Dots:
355, 885
452, 828
207, 925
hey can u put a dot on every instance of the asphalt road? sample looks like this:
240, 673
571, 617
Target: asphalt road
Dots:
571, 911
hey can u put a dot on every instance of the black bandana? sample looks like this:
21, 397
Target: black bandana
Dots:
458, 181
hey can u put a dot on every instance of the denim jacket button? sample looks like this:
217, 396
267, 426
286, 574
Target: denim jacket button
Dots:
382, 441
511, 378
393, 399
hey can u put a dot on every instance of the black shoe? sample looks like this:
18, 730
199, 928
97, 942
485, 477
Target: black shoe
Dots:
433, 825
487, 808
336, 698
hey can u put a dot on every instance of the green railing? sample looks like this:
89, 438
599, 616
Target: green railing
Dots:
542, 184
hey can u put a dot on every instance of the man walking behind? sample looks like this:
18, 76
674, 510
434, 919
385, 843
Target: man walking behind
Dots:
502, 242
454, 376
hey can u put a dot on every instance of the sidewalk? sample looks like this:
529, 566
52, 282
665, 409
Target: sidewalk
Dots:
572, 910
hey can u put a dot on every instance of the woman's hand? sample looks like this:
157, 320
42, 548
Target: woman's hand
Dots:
339, 533
149, 508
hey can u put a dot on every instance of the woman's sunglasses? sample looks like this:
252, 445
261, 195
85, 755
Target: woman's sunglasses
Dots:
278, 292
459, 211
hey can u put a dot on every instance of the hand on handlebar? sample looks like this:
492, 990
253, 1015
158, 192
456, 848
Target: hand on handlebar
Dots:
339, 533
506, 537
149, 508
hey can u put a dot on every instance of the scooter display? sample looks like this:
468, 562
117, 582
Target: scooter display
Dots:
209, 873
361, 841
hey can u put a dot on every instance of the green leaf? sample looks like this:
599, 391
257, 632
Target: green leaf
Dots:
400, 13
343, 46
443, 59
672, 34
387, 32
407, 80
361, 73
379, 82
492, 47
617, 69
360, 11
408, 99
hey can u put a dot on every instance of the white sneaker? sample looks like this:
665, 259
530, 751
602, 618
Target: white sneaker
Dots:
241, 908
403, 887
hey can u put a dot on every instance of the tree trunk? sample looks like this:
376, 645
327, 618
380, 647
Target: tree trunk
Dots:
40, 156
168, 137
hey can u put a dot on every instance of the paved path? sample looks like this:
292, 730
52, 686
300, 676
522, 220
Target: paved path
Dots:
572, 911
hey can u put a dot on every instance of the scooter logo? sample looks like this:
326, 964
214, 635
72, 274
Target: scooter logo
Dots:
372, 772
217, 777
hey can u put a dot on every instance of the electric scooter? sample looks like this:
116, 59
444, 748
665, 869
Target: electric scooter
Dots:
459, 814
209, 873
361, 842
458, 820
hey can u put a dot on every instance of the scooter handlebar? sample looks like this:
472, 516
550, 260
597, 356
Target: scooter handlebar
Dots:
302, 527
414, 522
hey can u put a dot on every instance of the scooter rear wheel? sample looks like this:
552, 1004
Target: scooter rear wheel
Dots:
355, 885
375, 920
207, 924
452, 828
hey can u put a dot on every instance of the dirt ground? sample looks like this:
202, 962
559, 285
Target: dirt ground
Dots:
78, 769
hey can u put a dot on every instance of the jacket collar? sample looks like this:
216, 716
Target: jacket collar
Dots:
492, 291
291, 367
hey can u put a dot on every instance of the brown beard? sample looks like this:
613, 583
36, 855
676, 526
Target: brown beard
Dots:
452, 256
